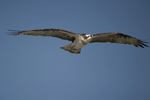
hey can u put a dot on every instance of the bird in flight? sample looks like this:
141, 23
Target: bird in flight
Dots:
80, 40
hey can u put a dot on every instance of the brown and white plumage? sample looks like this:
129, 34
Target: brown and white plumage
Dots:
53, 32
80, 40
116, 37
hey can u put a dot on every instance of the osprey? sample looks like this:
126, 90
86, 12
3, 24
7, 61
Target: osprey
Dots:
80, 40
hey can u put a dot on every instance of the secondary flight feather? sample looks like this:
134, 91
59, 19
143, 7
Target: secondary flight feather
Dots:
80, 40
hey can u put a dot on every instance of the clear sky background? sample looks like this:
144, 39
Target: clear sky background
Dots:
34, 68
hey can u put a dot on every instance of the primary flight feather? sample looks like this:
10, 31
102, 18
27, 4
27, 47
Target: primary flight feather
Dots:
80, 40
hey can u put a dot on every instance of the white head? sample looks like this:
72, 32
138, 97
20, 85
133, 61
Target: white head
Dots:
88, 36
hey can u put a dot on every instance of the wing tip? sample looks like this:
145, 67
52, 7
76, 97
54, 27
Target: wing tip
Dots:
13, 32
141, 44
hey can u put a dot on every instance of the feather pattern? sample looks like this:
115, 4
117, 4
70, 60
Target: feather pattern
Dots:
116, 37
53, 32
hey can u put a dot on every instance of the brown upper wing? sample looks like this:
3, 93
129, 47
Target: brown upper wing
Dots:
53, 32
116, 37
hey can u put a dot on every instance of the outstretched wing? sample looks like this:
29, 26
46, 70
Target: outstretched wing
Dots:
53, 32
116, 37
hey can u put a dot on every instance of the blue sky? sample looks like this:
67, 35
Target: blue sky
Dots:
34, 68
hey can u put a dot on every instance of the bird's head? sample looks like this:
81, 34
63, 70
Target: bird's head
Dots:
89, 36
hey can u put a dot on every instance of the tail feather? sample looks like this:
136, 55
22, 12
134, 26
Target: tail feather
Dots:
71, 49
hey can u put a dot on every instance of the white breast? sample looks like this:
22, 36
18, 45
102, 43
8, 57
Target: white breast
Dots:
79, 42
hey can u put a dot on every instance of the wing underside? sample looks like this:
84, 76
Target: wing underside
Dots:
54, 32
116, 37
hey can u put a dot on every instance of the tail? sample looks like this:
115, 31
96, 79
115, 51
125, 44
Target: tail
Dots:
71, 49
